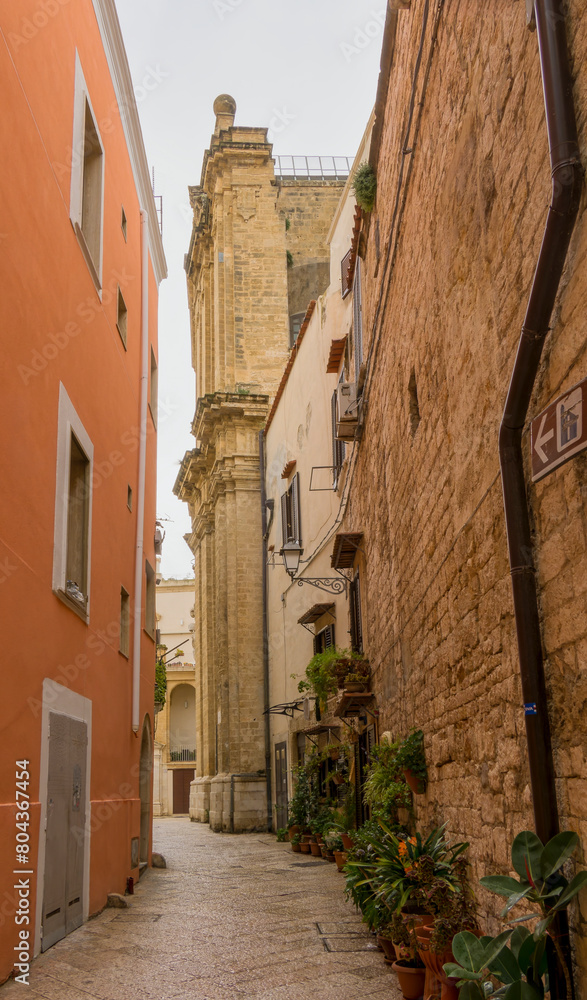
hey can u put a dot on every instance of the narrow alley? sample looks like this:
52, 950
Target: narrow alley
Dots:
230, 917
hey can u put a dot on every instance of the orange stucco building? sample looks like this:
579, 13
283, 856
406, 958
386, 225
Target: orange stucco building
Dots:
81, 259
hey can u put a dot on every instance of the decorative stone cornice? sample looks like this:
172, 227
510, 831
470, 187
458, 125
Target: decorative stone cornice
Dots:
219, 408
111, 35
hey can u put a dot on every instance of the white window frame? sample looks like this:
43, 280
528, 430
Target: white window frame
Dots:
81, 98
69, 424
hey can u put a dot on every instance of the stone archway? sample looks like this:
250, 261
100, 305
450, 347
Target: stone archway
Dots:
146, 767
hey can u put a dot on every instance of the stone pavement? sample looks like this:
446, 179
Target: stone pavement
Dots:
231, 917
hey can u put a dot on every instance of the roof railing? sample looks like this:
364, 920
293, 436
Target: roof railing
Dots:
320, 167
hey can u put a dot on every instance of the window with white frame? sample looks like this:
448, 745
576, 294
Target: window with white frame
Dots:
87, 178
149, 600
290, 513
73, 509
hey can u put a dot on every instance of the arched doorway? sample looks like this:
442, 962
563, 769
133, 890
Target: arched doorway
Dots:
146, 766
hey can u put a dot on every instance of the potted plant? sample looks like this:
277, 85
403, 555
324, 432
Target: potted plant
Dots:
412, 762
364, 186
410, 969
385, 789
520, 960
295, 842
326, 672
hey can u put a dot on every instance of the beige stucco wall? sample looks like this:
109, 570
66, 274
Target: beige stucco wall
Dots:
301, 430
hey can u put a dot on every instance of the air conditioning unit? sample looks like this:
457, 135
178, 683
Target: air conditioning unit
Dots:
347, 414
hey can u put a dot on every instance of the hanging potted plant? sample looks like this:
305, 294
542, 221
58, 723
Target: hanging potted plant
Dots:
411, 761
327, 671
364, 186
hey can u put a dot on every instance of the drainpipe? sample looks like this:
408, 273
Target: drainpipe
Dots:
567, 180
139, 572
265, 632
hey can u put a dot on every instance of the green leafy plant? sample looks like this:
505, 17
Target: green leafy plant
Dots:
289, 258
408, 867
326, 671
365, 186
385, 788
304, 803
281, 834
160, 683
296, 839
410, 756
518, 958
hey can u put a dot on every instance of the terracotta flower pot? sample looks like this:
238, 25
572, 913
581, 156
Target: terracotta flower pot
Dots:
411, 981
296, 847
432, 984
305, 848
347, 841
292, 831
316, 850
387, 946
340, 858
418, 785
449, 990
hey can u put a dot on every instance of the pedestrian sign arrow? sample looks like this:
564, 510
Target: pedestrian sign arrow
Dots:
560, 431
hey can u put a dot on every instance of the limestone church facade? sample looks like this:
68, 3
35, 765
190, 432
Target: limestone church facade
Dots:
257, 256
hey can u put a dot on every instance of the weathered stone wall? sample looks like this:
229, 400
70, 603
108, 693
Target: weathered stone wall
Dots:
426, 488
309, 205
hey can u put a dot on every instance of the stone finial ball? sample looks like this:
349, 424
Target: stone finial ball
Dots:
224, 105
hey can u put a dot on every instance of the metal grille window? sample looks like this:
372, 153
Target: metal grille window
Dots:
290, 513
324, 639
356, 618
357, 320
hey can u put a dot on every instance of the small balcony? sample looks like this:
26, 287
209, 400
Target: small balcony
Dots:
180, 754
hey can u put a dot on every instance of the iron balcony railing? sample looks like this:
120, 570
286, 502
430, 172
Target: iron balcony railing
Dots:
181, 755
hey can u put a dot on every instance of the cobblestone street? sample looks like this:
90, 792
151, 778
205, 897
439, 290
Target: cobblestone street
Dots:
230, 917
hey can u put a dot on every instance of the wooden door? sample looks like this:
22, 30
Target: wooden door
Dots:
281, 784
182, 779
65, 830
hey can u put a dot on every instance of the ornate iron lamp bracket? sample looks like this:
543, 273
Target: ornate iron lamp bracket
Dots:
331, 584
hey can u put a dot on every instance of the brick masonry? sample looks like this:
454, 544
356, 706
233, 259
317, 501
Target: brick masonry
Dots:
426, 486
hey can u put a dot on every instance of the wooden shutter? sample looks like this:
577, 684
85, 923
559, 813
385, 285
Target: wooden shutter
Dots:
296, 526
344, 274
355, 612
337, 446
357, 320
324, 639
284, 518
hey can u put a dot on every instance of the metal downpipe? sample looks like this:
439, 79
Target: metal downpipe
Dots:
266, 691
567, 182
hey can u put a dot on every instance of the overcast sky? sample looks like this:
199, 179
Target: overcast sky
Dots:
308, 70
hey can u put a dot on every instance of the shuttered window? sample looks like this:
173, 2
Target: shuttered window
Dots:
324, 639
291, 528
338, 447
345, 286
357, 320
355, 613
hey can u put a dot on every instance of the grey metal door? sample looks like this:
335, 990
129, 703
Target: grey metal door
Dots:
65, 832
281, 784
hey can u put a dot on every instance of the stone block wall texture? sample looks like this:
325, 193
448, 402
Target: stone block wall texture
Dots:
237, 280
309, 206
426, 489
